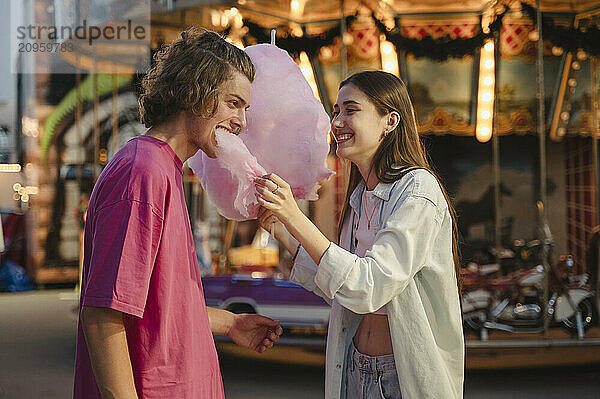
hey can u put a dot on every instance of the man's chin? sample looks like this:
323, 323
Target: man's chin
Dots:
207, 148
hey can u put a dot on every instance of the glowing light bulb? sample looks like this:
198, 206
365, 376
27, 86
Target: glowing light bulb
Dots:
489, 46
488, 81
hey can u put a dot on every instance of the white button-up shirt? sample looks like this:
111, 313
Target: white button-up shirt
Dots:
410, 270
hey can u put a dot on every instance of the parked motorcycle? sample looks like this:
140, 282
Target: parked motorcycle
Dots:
514, 302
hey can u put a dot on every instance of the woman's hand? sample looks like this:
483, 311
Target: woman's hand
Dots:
275, 195
267, 219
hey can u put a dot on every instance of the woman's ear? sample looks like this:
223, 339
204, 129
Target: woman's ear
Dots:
393, 119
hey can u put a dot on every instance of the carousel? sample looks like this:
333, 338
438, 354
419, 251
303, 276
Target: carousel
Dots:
506, 95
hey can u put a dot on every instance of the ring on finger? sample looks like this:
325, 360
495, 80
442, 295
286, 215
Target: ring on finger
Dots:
275, 191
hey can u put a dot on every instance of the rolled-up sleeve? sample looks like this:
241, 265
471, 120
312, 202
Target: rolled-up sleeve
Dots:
304, 272
400, 250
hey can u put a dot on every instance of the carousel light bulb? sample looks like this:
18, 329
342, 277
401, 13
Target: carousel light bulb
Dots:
483, 134
534, 36
215, 18
233, 11
309, 75
557, 51
238, 21
326, 52
389, 58
295, 5
485, 94
10, 167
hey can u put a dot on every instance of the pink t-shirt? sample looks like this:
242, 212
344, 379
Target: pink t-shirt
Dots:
139, 259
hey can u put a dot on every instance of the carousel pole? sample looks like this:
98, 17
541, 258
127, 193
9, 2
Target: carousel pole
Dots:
496, 154
80, 144
96, 121
343, 28
542, 149
595, 131
115, 114
81, 153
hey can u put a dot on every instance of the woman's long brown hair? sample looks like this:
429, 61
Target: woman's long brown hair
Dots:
400, 149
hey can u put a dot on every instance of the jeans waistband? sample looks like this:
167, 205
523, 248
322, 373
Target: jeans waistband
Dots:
372, 364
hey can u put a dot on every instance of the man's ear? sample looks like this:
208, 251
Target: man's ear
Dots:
393, 119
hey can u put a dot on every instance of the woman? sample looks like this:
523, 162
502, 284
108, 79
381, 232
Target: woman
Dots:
395, 327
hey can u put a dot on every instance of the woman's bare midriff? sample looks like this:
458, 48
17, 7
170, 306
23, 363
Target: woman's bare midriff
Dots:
373, 336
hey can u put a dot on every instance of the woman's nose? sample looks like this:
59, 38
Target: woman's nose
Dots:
337, 123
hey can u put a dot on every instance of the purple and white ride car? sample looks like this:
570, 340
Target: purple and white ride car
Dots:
303, 315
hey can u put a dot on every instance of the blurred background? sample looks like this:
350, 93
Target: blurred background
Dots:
506, 98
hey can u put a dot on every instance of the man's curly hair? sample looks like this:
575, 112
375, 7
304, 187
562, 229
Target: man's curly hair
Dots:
187, 75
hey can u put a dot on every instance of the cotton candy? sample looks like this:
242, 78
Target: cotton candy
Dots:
286, 134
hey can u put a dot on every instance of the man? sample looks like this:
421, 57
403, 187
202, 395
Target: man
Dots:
144, 330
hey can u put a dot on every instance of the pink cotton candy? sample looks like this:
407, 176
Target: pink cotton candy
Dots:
286, 135
227, 179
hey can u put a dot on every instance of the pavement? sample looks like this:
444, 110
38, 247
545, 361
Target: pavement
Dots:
37, 351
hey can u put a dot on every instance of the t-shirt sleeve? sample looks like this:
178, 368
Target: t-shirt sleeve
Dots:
125, 241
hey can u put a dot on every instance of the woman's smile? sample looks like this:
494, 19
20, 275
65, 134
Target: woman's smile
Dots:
341, 138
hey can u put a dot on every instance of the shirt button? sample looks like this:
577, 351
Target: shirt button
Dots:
344, 329
338, 366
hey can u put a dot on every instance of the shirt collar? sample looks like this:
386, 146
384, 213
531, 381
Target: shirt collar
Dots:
382, 191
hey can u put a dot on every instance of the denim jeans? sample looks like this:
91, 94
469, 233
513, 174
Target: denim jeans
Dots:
371, 377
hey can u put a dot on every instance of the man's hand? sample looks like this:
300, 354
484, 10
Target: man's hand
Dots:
254, 331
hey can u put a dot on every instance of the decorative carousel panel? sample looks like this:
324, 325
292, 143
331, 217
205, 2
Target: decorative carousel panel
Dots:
418, 28
441, 93
517, 88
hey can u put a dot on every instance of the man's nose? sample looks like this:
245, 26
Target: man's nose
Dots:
241, 119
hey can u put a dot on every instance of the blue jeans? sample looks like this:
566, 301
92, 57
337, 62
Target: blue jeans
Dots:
371, 377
